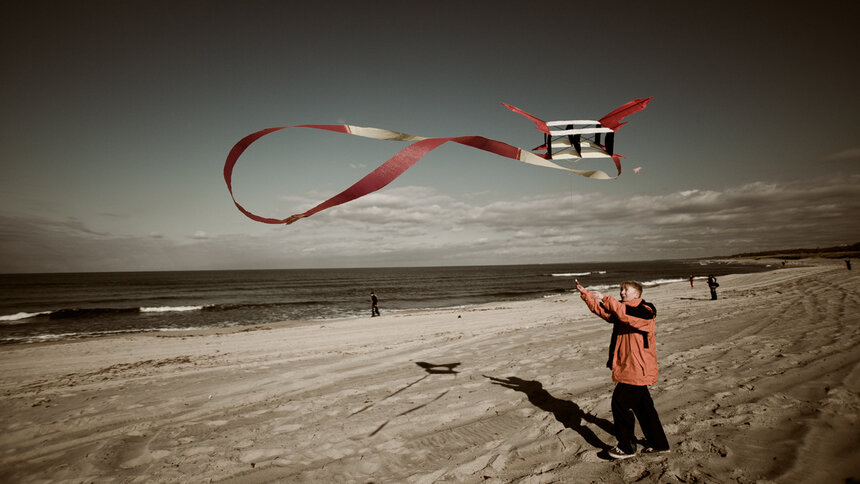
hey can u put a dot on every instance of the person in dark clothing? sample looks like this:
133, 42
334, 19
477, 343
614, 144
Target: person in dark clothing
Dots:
713, 285
374, 304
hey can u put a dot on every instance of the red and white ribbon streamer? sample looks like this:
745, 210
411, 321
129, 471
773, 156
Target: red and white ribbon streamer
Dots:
399, 163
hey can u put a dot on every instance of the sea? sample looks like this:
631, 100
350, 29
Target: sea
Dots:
49, 307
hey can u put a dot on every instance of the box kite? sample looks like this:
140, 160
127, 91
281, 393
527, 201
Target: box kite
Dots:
563, 140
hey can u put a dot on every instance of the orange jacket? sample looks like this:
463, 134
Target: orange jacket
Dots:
633, 357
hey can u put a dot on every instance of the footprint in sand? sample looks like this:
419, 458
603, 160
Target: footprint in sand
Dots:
135, 451
145, 458
473, 467
244, 444
199, 451
285, 429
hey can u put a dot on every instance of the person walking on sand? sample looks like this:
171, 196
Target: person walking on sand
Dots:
691, 281
633, 361
374, 305
713, 285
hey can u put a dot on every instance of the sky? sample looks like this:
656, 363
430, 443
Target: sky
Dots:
116, 119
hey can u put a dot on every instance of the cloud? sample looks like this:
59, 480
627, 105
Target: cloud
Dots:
33, 244
412, 225
402, 207
850, 154
686, 223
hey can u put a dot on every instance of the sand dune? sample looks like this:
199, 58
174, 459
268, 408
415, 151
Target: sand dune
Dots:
763, 384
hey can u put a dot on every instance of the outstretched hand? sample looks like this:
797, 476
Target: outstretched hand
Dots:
596, 294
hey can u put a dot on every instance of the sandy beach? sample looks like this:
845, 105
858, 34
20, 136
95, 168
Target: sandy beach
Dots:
760, 385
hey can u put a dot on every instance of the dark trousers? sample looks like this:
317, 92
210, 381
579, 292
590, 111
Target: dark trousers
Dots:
629, 401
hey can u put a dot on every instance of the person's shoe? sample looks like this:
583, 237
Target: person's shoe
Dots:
617, 453
652, 450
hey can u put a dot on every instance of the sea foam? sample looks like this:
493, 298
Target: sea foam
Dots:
19, 316
167, 309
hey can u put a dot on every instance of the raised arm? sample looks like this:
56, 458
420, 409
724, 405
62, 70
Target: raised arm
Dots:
593, 301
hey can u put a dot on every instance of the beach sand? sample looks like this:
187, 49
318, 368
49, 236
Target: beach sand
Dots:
763, 384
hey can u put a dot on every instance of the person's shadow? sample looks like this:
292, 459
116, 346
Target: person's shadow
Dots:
565, 411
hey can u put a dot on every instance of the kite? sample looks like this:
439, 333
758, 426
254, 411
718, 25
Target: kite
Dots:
594, 139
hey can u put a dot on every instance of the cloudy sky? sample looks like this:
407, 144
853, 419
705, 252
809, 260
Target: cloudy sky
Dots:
116, 118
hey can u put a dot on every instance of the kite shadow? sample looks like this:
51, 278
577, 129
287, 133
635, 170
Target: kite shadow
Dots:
434, 369
566, 412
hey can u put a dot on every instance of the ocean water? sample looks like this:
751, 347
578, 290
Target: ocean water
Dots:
42, 307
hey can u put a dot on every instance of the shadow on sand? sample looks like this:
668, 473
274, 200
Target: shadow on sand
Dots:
438, 369
565, 411
431, 369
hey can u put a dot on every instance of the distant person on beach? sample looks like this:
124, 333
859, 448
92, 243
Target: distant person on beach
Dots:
713, 285
633, 361
691, 281
848, 264
374, 305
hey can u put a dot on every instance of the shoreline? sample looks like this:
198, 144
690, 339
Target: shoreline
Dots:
170, 331
749, 389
